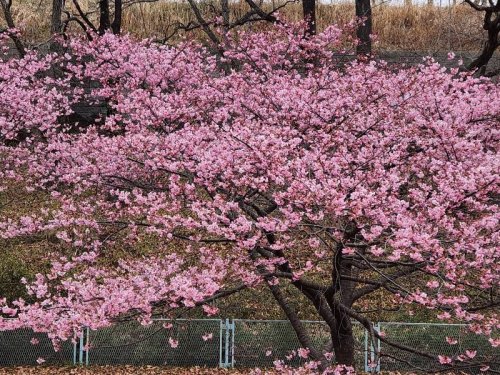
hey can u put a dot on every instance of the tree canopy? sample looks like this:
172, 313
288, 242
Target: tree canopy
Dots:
273, 165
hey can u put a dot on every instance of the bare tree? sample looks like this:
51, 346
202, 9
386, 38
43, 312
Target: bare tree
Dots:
56, 16
491, 23
364, 30
7, 13
309, 14
104, 22
209, 25
116, 25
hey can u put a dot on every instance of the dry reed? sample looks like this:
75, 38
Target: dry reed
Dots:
398, 28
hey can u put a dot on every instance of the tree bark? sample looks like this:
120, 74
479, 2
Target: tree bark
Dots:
225, 14
56, 22
11, 25
364, 30
116, 26
104, 22
492, 26
309, 14
343, 345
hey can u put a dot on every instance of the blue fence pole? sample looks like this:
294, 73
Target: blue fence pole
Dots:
87, 347
80, 357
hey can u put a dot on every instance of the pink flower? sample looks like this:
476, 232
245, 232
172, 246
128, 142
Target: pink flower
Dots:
303, 352
313, 242
269, 353
210, 310
173, 343
207, 336
471, 353
433, 284
34, 341
40, 360
328, 356
444, 359
494, 342
451, 340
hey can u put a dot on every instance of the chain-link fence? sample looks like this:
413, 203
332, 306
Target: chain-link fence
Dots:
239, 343
176, 343
257, 343
25, 347
432, 338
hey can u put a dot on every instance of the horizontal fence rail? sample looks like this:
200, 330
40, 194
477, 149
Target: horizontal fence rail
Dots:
237, 343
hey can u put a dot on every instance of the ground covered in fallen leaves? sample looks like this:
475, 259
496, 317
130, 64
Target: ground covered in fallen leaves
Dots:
118, 370
135, 370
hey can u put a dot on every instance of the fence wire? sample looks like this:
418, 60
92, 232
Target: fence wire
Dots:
432, 338
238, 343
172, 343
24, 347
258, 343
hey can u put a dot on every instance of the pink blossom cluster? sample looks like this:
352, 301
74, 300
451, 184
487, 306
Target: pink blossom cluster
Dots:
216, 155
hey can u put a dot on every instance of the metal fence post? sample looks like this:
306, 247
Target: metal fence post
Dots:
221, 363
74, 354
226, 361
233, 328
80, 357
367, 366
369, 348
87, 347
226, 344
377, 328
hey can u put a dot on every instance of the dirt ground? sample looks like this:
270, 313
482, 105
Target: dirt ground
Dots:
116, 370
136, 370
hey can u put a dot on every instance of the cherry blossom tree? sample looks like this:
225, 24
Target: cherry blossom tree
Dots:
273, 166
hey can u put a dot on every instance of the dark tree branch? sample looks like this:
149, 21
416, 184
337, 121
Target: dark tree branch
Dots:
84, 17
7, 12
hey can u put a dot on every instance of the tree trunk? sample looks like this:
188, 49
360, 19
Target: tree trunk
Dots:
11, 25
343, 345
104, 23
225, 14
492, 26
56, 22
364, 31
343, 292
309, 14
116, 26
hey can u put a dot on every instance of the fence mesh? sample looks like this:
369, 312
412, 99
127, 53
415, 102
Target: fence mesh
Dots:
431, 338
134, 344
240, 343
257, 343
23, 347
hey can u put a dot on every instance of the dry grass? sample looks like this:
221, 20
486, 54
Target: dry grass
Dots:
407, 28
